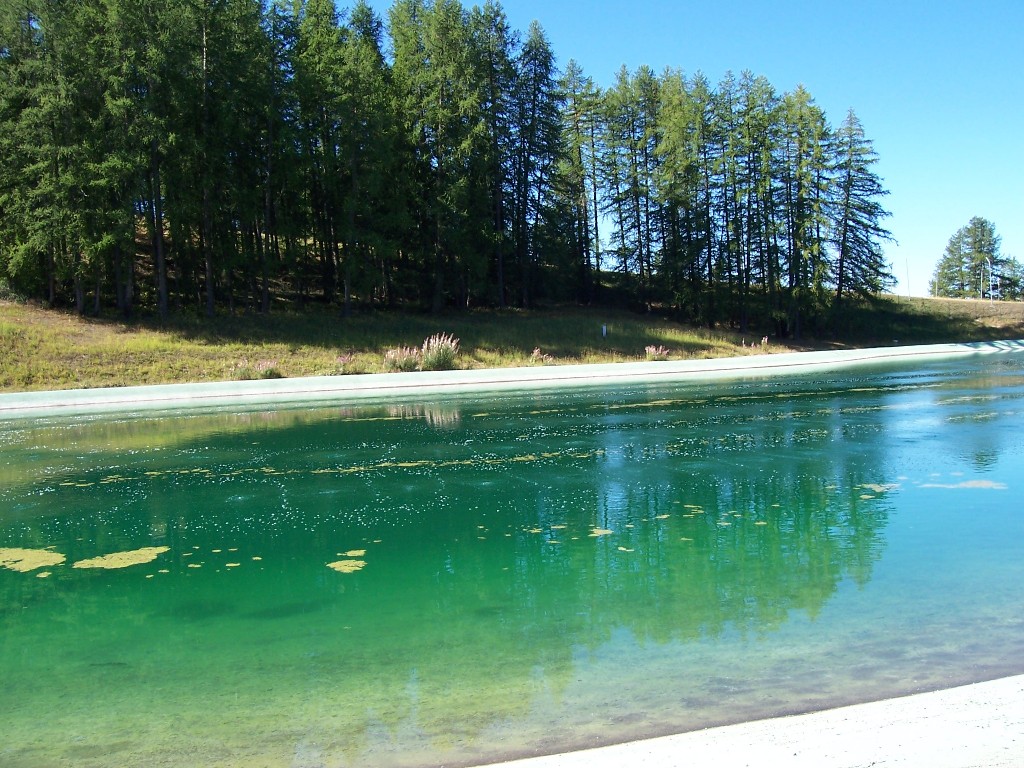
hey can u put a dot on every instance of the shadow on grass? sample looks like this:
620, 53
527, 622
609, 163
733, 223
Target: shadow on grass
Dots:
888, 320
567, 333
579, 333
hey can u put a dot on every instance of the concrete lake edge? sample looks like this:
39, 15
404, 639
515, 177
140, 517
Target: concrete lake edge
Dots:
980, 725
391, 386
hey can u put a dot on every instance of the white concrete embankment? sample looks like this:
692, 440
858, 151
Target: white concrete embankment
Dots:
391, 386
973, 726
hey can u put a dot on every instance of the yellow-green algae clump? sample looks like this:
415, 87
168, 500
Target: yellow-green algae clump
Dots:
123, 559
347, 566
25, 560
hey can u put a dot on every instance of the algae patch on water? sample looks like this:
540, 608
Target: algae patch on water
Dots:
24, 560
881, 487
347, 566
123, 559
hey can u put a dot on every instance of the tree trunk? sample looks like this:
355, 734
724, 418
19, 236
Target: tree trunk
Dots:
207, 254
156, 221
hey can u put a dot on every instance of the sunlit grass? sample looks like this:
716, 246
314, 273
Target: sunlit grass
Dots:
47, 349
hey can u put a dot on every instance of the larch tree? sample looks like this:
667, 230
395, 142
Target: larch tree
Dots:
537, 141
758, 109
970, 262
323, 105
496, 47
439, 96
676, 186
25, 250
857, 214
804, 189
578, 175
369, 132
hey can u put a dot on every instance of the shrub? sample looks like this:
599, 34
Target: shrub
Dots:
656, 352
264, 369
439, 352
7, 293
540, 357
402, 359
343, 363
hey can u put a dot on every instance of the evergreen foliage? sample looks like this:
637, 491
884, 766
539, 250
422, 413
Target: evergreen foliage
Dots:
207, 154
857, 212
972, 266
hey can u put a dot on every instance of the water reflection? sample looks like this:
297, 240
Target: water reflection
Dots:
542, 574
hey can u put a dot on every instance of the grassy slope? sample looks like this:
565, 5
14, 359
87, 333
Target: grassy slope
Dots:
46, 349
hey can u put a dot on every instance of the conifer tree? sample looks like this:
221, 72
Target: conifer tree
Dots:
25, 251
537, 136
440, 97
804, 187
707, 138
323, 103
759, 106
578, 175
368, 133
496, 46
678, 193
857, 214
970, 262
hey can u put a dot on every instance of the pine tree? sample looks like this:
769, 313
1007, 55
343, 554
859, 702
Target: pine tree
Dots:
537, 140
496, 47
323, 105
679, 192
578, 175
758, 105
857, 213
971, 260
369, 134
24, 250
804, 189
439, 95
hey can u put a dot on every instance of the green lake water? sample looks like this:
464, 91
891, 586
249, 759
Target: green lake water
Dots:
533, 572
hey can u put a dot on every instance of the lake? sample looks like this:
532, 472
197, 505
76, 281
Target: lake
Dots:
461, 579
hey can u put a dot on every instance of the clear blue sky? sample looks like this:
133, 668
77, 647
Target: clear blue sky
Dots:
938, 86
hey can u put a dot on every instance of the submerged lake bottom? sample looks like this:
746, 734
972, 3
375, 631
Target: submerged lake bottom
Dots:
463, 579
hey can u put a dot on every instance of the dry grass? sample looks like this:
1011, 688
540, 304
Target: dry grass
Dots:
49, 349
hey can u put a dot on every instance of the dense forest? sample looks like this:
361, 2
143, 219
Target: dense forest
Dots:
211, 155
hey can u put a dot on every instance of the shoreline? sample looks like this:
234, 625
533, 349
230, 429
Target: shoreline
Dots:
365, 388
980, 725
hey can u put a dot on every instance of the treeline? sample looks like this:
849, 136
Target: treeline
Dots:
204, 153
